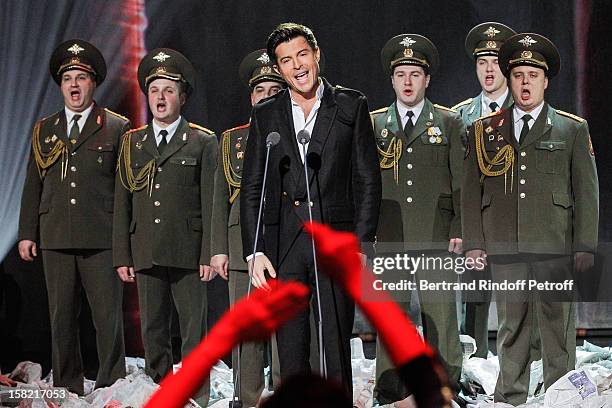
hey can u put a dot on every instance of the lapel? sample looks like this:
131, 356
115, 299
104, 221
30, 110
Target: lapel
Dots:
475, 109
148, 142
179, 139
92, 125
392, 123
59, 127
507, 131
424, 121
325, 118
509, 101
541, 126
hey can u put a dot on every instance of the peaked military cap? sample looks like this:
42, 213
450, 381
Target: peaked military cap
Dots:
485, 39
529, 49
77, 54
166, 63
409, 49
258, 67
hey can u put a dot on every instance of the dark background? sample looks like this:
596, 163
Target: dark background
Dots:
215, 36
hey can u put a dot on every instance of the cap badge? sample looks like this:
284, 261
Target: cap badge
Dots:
491, 44
407, 42
161, 56
527, 41
526, 54
75, 49
266, 70
491, 32
264, 59
408, 53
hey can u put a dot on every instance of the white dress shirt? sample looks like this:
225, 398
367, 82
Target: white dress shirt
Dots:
171, 129
485, 109
300, 122
81, 122
517, 116
416, 110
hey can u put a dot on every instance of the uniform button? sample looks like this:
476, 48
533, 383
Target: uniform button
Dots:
523, 167
72, 168
73, 201
182, 161
523, 154
73, 154
296, 203
285, 193
72, 184
310, 203
159, 169
409, 182
409, 199
157, 220
409, 166
522, 181
522, 195
99, 147
550, 146
157, 203
237, 167
409, 150
157, 185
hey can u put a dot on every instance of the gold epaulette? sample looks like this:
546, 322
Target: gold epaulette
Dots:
46, 160
116, 114
145, 176
202, 128
246, 125
489, 115
381, 110
444, 108
233, 179
463, 103
570, 115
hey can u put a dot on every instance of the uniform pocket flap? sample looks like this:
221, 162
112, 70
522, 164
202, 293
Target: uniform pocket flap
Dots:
445, 202
551, 145
195, 224
486, 201
562, 199
184, 161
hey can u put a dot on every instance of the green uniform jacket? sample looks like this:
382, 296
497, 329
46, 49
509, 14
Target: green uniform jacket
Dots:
471, 108
68, 202
421, 190
547, 201
226, 234
166, 218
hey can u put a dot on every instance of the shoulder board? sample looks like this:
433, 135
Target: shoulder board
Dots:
41, 121
246, 125
136, 130
381, 110
490, 114
202, 128
444, 108
460, 104
116, 114
570, 115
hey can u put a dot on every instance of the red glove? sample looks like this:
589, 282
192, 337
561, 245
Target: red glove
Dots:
252, 319
338, 256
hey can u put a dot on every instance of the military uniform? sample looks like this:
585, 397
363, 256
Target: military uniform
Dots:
484, 40
67, 209
530, 206
163, 207
421, 177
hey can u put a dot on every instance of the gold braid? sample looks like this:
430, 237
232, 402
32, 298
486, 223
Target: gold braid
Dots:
145, 176
46, 160
504, 157
391, 157
233, 178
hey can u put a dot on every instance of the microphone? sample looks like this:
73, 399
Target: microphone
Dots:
303, 137
272, 139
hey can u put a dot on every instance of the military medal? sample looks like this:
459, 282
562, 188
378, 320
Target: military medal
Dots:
47, 139
238, 145
53, 138
500, 138
73, 141
489, 129
100, 159
491, 138
438, 139
384, 132
428, 124
138, 145
240, 155
432, 139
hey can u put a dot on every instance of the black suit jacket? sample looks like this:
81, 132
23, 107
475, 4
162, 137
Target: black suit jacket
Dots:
344, 177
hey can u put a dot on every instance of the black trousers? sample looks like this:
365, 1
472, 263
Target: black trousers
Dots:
67, 273
338, 312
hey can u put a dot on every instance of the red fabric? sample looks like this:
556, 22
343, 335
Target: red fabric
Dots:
338, 256
252, 319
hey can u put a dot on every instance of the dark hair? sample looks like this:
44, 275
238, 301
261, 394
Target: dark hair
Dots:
286, 32
307, 391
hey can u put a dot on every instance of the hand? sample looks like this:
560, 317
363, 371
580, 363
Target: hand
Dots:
454, 245
219, 264
126, 273
207, 273
27, 250
583, 261
476, 257
259, 264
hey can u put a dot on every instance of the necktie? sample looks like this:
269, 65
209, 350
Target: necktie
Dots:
525, 128
163, 142
74, 130
408, 127
494, 106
